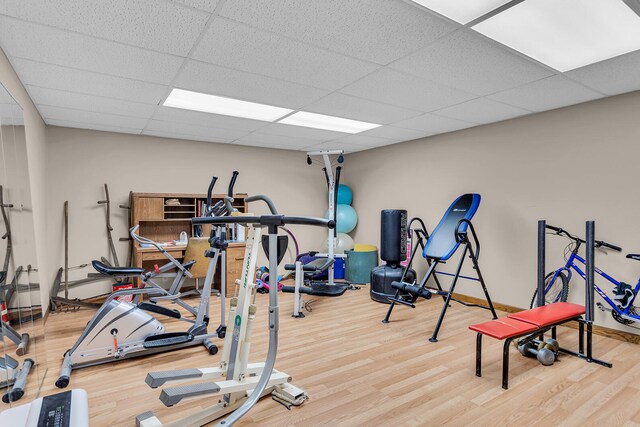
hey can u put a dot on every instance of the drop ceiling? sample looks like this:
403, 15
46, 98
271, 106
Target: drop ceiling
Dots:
109, 65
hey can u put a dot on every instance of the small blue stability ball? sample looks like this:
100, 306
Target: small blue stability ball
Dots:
346, 218
345, 195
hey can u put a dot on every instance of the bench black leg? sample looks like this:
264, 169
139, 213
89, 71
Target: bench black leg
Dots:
505, 363
479, 355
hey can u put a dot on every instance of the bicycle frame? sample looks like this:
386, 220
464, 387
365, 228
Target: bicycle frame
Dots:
571, 264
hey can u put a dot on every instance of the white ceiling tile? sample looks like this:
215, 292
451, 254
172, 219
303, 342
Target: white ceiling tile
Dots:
10, 111
613, 77
364, 140
53, 76
238, 46
79, 101
546, 94
177, 115
221, 81
350, 107
376, 30
301, 132
90, 117
269, 140
203, 138
335, 145
467, 61
396, 133
482, 110
433, 123
104, 128
45, 44
152, 24
224, 135
206, 5
244, 143
392, 87
462, 11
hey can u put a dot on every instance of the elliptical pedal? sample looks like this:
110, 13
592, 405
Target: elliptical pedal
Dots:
171, 338
158, 309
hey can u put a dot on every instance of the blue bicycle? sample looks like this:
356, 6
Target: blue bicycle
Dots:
557, 282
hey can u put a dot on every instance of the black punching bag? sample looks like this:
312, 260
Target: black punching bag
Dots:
393, 235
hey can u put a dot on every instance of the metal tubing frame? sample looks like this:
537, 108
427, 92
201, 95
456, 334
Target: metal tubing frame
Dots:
273, 335
331, 187
542, 225
463, 239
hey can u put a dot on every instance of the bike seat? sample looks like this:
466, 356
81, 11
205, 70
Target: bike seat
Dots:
634, 256
115, 271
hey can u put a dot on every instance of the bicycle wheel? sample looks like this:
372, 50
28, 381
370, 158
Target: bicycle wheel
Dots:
558, 292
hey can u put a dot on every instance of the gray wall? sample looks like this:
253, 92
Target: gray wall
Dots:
36, 158
565, 166
81, 161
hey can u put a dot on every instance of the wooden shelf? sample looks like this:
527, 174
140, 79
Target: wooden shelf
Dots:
164, 222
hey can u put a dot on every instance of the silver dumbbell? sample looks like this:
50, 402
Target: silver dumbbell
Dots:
546, 352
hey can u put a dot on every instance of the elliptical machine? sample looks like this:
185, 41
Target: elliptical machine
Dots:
238, 383
120, 330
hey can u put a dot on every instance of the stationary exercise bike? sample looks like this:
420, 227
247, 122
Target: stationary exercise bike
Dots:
121, 330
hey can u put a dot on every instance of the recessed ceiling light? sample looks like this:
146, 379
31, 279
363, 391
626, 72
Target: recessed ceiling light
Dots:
566, 34
462, 11
320, 121
204, 102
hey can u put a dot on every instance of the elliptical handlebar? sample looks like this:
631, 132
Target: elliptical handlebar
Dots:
267, 200
210, 190
266, 220
143, 240
228, 204
234, 176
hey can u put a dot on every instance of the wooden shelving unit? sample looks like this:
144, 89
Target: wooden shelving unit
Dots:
163, 216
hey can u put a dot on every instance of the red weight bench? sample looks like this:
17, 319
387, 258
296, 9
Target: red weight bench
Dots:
536, 321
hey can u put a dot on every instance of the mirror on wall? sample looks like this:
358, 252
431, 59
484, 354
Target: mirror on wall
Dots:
20, 301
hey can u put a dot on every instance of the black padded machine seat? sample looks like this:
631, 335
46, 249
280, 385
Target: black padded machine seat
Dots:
318, 290
312, 268
116, 271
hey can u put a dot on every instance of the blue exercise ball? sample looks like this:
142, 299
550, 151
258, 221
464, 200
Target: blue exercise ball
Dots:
346, 219
345, 195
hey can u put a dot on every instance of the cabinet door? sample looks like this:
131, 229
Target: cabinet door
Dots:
150, 208
235, 257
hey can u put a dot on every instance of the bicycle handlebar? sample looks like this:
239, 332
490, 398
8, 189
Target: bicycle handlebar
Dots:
608, 245
598, 243
556, 229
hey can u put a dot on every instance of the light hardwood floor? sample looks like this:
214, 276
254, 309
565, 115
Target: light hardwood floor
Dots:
358, 371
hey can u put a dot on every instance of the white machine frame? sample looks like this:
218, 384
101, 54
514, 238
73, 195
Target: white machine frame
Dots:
244, 382
331, 185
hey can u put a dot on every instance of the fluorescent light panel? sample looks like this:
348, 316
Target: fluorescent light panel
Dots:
320, 121
566, 34
188, 100
462, 11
